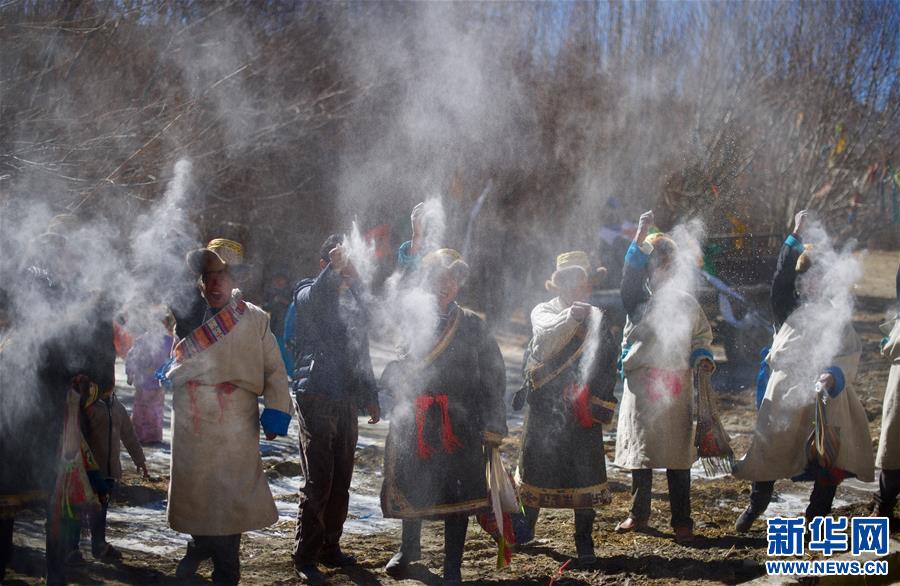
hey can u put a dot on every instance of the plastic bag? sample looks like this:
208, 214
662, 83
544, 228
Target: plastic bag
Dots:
73, 494
711, 439
824, 444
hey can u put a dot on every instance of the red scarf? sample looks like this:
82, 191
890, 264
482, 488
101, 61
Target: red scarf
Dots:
449, 441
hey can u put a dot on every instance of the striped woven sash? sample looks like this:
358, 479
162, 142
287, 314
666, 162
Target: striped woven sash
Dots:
216, 328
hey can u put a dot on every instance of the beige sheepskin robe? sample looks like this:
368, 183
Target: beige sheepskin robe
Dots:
217, 485
787, 414
656, 418
889, 445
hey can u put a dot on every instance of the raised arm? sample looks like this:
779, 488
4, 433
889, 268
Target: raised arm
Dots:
634, 272
784, 298
323, 291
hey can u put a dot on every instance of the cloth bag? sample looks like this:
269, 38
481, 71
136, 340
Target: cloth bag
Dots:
504, 501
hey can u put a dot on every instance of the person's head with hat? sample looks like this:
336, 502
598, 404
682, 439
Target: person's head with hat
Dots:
445, 273
662, 250
573, 280
810, 274
662, 259
218, 265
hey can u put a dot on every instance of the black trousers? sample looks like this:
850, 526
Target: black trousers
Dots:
679, 495
820, 499
888, 490
225, 552
455, 528
328, 434
97, 520
6, 543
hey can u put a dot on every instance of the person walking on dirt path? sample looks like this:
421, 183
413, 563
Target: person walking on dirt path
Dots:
800, 390
666, 337
332, 378
448, 414
570, 374
888, 458
217, 488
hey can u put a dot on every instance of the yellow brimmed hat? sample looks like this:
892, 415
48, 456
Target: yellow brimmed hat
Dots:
575, 263
661, 240
219, 254
444, 260
576, 258
805, 260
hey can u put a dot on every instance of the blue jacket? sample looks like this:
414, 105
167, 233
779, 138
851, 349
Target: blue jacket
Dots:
330, 342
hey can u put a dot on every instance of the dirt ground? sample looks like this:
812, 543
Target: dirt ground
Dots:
717, 556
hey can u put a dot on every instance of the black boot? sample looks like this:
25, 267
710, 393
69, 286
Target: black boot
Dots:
410, 548
760, 496
584, 541
531, 517
746, 519
190, 563
454, 544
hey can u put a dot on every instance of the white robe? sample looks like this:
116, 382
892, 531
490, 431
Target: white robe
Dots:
787, 414
889, 445
217, 485
655, 427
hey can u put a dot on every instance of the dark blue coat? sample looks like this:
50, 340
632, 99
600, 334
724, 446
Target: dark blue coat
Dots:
330, 342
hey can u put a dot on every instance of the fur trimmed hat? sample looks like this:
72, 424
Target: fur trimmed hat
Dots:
445, 260
572, 268
662, 243
219, 254
805, 260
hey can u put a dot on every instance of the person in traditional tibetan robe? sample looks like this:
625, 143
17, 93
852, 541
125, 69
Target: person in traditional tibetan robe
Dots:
813, 361
570, 375
448, 411
888, 458
666, 337
217, 487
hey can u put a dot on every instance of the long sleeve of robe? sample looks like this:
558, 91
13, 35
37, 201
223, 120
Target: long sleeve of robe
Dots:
783, 296
889, 444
